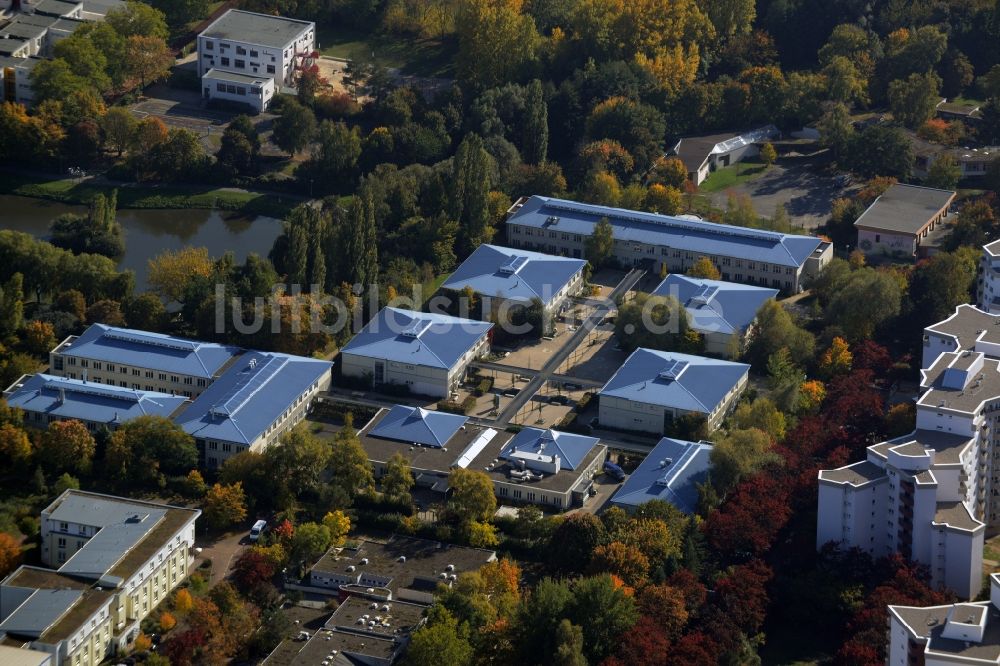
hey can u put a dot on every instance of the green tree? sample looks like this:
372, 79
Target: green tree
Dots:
730, 17
297, 462
536, 125
147, 449
440, 641
12, 304
604, 611
310, 541
762, 414
836, 131
66, 481
139, 19
943, 282
496, 42
148, 59
294, 128
768, 154
362, 246
339, 524
472, 168
15, 447
85, 60
867, 300
398, 479
845, 84
472, 497
335, 152
739, 454
145, 312
67, 446
569, 642
599, 246
881, 150
944, 172
957, 73
655, 322
914, 99
349, 467
179, 13
775, 329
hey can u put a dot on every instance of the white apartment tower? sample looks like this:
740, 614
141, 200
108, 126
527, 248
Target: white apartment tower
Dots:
928, 495
988, 284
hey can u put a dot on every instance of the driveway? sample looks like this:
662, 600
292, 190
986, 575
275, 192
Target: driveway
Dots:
806, 193
222, 552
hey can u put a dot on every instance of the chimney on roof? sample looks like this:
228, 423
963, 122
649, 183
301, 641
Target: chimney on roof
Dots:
62, 395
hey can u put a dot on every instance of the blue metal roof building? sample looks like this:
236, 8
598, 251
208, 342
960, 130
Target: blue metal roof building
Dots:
46, 398
706, 238
254, 398
417, 425
716, 309
672, 472
142, 349
517, 275
653, 387
533, 445
425, 352
419, 338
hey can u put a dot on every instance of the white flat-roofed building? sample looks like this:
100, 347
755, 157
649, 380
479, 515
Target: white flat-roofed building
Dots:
931, 494
114, 560
959, 634
968, 329
255, 45
257, 91
988, 283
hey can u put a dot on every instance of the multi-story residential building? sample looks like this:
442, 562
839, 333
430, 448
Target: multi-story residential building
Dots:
427, 353
501, 275
141, 360
929, 495
969, 328
898, 222
662, 243
116, 560
46, 399
951, 635
256, 53
260, 398
988, 283
722, 312
654, 388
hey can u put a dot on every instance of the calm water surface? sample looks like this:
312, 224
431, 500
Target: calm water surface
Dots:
150, 232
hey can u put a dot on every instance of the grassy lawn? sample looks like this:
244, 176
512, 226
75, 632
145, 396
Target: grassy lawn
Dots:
731, 176
966, 101
431, 287
151, 196
420, 57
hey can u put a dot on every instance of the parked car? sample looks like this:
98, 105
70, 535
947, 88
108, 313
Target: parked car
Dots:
257, 530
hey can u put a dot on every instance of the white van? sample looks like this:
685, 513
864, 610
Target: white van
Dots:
257, 530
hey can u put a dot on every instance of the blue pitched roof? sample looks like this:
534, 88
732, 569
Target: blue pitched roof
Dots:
714, 306
246, 399
571, 448
150, 350
514, 274
420, 338
66, 398
669, 379
654, 229
671, 472
415, 424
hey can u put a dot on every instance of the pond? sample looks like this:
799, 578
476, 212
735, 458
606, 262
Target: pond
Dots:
148, 232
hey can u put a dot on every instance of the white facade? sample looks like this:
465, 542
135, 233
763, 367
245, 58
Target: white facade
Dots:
929, 495
254, 45
952, 635
988, 283
256, 92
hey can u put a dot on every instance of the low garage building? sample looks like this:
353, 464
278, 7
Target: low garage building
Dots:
900, 219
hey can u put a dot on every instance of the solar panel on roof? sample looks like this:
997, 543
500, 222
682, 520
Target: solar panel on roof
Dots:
138, 338
256, 377
513, 265
672, 370
704, 295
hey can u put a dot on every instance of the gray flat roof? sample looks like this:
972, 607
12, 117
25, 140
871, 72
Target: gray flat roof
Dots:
905, 209
857, 474
253, 28
968, 323
929, 623
956, 514
233, 77
57, 7
983, 386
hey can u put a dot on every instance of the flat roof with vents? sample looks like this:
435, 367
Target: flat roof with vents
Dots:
65, 398
253, 28
662, 230
154, 351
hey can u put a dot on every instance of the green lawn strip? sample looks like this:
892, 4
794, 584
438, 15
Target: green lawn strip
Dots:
731, 176
431, 287
159, 196
420, 57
